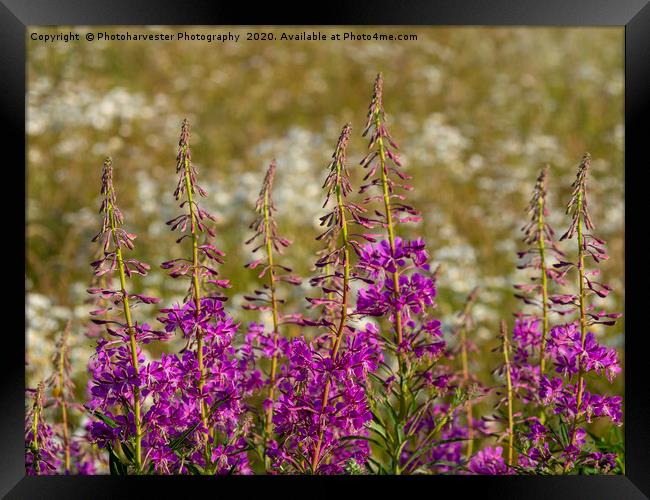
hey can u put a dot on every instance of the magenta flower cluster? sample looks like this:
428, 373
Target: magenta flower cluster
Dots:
551, 364
363, 380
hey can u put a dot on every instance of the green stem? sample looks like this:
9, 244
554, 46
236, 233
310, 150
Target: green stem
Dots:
468, 403
506, 357
346, 271
132, 343
35, 450
389, 224
540, 228
63, 402
583, 316
268, 426
330, 296
344, 312
391, 239
197, 300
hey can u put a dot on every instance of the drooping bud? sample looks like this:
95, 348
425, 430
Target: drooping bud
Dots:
578, 205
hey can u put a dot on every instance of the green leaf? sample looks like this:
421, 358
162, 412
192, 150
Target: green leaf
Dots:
415, 419
452, 465
564, 433
380, 468
398, 452
621, 464
377, 378
370, 466
115, 465
394, 417
365, 438
194, 469
128, 452
175, 444
107, 420
118, 449
388, 442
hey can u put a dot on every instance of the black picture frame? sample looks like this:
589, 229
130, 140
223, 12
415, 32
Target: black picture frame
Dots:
17, 15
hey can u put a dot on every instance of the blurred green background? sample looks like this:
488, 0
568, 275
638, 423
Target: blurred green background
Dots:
476, 112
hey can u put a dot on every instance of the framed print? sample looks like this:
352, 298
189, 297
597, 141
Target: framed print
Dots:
388, 243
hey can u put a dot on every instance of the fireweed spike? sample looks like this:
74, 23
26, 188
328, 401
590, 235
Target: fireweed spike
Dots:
506, 363
401, 292
42, 449
194, 221
187, 183
208, 378
540, 211
113, 238
267, 239
556, 441
580, 220
62, 384
542, 250
118, 367
378, 140
322, 412
465, 326
337, 184
587, 246
384, 172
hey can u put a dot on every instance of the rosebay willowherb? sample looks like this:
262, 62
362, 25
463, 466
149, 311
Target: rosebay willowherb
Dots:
372, 383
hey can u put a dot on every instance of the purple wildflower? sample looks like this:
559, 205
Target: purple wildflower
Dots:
270, 346
116, 368
322, 389
489, 461
198, 402
42, 449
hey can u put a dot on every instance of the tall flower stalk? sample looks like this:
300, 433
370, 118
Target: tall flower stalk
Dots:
400, 290
541, 212
509, 392
540, 238
207, 379
267, 206
266, 238
577, 208
187, 184
490, 460
587, 246
37, 409
465, 326
41, 448
531, 328
193, 223
76, 458
113, 238
62, 385
383, 148
322, 409
338, 185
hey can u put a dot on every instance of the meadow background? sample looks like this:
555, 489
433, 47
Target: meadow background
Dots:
476, 112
